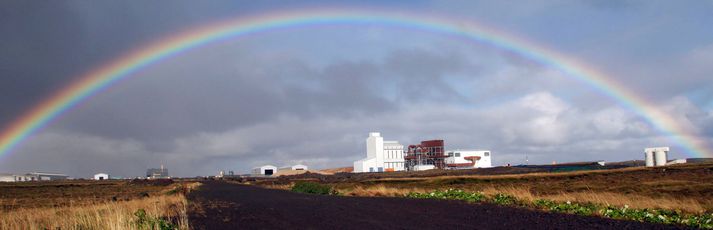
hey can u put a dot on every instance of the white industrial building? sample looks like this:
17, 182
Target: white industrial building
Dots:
300, 167
468, 159
101, 176
295, 167
34, 176
381, 155
658, 156
266, 170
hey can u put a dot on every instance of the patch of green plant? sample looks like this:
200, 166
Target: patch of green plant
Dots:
146, 222
449, 194
504, 199
313, 188
587, 209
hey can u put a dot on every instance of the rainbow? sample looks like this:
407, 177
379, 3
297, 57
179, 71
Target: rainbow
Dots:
121, 68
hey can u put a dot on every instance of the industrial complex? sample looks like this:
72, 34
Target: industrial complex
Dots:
387, 156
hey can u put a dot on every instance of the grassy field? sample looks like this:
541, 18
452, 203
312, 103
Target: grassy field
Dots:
94, 205
688, 188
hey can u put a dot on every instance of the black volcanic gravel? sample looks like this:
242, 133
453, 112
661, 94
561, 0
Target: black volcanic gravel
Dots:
221, 205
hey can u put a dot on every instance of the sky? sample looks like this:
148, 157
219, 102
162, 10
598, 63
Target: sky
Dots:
310, 95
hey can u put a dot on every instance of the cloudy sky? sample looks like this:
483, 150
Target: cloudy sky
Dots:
311, 94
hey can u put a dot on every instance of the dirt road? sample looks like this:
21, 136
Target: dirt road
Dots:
221, 205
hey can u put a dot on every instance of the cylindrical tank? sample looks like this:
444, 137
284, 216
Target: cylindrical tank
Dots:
661, 158
649, 158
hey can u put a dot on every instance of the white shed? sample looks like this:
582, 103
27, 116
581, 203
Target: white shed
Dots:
266, 170
299, 167
101, 176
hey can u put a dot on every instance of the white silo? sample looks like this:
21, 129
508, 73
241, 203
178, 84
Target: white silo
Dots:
660, 157
649, 158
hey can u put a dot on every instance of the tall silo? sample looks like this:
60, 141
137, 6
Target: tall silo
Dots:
656, 156
649, 158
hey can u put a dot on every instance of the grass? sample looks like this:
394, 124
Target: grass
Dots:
660, 216
167, 210
684, 204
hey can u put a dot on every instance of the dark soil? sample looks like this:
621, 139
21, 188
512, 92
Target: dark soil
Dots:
222, 205
42, 194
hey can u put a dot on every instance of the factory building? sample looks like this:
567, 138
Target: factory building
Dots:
427, 155
468, 159
266, 170
157, 173
101, 176
381, 156
658, 156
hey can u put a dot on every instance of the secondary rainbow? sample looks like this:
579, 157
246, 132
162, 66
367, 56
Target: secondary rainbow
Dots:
107, 75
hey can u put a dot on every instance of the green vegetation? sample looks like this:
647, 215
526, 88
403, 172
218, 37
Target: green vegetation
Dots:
144, 221
659, 216
449, 194
505, 199
313, 188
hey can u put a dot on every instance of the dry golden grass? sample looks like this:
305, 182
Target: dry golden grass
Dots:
524, 193
378, 190
516, 176
102, 215
606, 198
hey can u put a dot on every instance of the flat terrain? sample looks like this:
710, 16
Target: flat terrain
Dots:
686, 187
41, 194
223, 205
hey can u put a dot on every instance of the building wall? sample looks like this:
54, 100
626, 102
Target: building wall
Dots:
393, 156
429, 152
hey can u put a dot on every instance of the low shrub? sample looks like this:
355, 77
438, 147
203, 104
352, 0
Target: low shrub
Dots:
313, 188
504, 199
449, 194
567, 207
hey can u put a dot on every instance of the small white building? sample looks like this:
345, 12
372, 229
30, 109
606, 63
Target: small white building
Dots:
266, 170
468, 159
101, 176
299, 167
381, 155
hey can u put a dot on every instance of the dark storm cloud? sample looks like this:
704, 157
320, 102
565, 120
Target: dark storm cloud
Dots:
238, 104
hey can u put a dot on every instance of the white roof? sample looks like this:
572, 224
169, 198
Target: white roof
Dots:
48, 174
265, 166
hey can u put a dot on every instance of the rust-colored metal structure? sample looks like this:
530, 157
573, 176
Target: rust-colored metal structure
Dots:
472, 159
429, 152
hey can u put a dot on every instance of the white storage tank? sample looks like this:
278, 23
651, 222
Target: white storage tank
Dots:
656, 156
660, 157
649, 158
